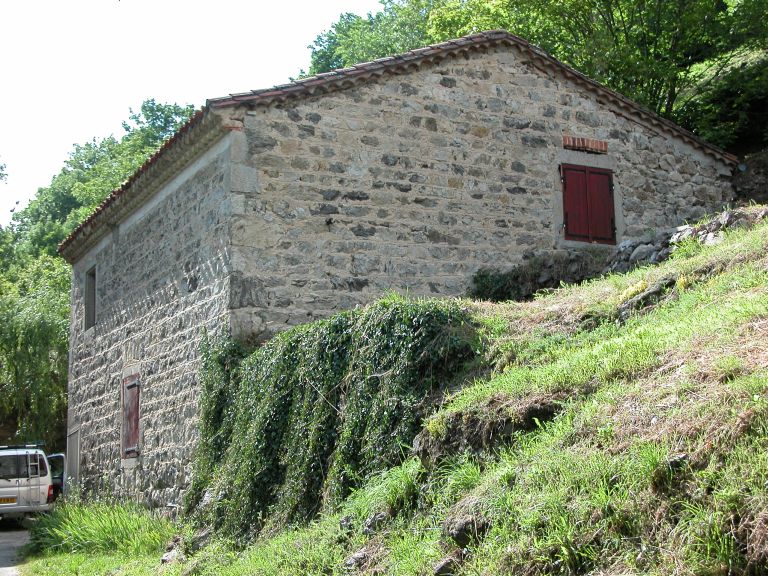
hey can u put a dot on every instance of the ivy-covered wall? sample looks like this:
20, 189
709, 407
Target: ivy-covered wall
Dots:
295, 426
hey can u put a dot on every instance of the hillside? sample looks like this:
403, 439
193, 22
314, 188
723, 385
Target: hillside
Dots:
615, 427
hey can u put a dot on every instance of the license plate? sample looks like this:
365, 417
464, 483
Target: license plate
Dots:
7, 500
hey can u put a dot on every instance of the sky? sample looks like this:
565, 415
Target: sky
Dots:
72, 70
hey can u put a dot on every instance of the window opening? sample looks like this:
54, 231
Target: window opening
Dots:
90, 298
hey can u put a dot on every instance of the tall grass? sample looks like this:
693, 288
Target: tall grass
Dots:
100, 527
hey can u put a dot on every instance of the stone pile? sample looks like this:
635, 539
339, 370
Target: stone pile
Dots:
657, 248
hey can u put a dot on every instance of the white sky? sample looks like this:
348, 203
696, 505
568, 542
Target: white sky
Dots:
71, 69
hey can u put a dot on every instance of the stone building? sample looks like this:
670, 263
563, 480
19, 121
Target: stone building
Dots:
280, 206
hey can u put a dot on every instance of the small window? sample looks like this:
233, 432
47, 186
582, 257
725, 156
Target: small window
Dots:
10, 467
34, 466
90, 298
131, 416
588, 214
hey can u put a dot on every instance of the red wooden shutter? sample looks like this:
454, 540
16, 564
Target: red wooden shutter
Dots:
588, 204
131, 415
601, 224
575, 203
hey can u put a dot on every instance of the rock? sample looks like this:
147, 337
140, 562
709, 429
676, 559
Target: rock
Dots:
373, 522
207, 499
682, 233
465, 528
174, 555
173, 543
356, 559
677, 461
621, 267
347, 524
200, 539
726, 219
642, 252
449, 565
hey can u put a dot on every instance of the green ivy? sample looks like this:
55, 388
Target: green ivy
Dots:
301, 422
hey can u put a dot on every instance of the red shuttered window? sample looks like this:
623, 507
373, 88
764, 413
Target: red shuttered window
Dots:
588, 204
131, 416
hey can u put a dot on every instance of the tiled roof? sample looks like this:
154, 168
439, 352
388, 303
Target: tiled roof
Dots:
399, 64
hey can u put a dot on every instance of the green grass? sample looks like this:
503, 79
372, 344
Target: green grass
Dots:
656, 463
101, 537
99, 564
100, 527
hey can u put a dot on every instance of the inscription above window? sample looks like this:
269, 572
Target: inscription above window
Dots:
588, 211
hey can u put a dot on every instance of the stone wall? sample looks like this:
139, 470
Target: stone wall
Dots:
161, 280
414, 182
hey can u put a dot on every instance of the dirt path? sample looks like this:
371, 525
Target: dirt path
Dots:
11, 539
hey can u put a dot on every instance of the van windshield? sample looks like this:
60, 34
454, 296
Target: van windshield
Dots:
10, 467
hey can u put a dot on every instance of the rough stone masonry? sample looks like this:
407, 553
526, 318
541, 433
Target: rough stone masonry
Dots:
277, 207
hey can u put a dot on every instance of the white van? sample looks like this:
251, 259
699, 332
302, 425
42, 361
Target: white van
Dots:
25, 481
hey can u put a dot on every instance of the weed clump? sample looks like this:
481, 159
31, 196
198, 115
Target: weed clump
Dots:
100, 526
301, 422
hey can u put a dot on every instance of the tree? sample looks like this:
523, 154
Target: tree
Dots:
653, 52
34, 313
732, 110
92, 171
399, 27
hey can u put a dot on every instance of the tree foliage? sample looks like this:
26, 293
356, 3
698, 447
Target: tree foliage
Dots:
35, 281
34, 314
653, 52
92, 171
732, 112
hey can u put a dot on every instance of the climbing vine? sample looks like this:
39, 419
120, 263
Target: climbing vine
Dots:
297, 425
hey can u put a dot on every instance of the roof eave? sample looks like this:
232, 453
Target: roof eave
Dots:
196, 135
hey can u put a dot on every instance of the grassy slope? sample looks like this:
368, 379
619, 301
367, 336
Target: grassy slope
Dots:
651, 460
